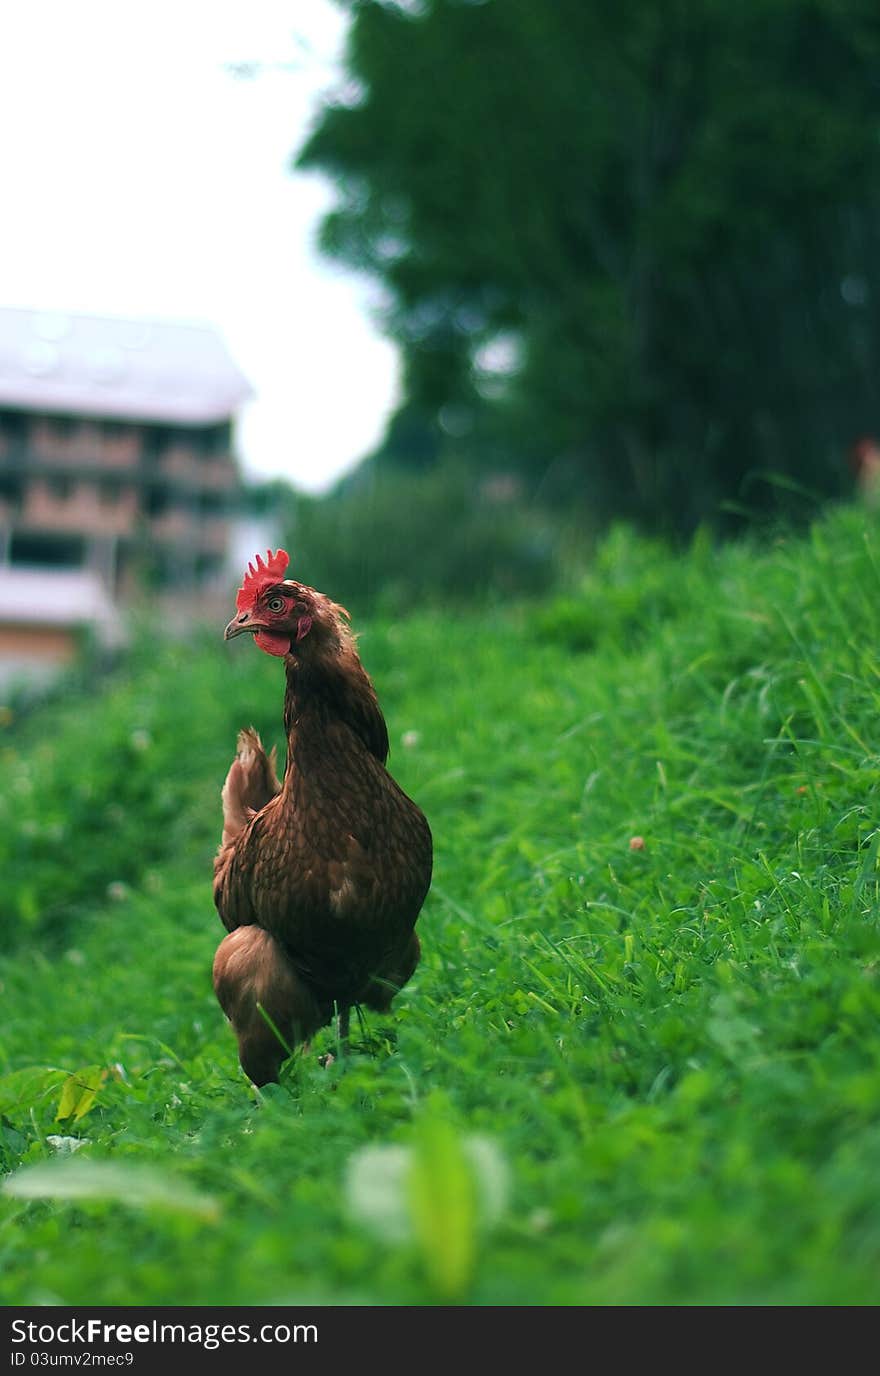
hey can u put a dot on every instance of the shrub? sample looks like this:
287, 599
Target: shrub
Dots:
386, 541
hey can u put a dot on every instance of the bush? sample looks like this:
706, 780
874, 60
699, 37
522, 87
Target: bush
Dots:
387, 541
632, 587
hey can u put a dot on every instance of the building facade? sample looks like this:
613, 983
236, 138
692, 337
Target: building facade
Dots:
116, 461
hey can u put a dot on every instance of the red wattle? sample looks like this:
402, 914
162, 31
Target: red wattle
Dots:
273, 644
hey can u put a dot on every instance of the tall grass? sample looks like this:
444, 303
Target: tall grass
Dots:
640, 1062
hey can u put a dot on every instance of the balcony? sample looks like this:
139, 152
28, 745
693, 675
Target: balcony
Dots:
88, 452
187, 469
83, 510
179, 461
218, 475
214, 534
174, 526
85, 445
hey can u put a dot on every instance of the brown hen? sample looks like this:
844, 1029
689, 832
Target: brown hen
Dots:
319, 878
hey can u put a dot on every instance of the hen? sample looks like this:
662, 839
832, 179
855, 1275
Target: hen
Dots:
319, 878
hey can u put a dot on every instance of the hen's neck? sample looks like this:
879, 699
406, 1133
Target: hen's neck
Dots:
322, 690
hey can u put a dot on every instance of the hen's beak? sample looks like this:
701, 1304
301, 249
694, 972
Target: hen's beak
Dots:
238, 625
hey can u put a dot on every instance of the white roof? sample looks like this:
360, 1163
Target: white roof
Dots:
150, 370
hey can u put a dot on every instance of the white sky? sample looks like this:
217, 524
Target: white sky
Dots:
138, 176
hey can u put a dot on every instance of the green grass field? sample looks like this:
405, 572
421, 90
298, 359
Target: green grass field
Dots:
620, 1076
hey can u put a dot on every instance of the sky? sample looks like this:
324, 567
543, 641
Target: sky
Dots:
141, 176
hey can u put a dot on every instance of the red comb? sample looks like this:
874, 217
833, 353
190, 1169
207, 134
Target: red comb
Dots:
261, 575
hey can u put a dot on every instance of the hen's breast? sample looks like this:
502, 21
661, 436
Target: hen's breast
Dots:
342, 862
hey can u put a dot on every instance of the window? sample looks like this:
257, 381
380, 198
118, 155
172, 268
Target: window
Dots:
56, 551
12, 426
213, 503
156, 501
218, 439
10, 489
155, 440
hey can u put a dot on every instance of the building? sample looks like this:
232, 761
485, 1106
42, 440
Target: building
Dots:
43, 617
117, 472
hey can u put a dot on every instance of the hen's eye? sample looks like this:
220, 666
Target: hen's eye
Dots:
276, 604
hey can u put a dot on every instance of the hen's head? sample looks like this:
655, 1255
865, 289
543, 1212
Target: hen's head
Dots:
283, 616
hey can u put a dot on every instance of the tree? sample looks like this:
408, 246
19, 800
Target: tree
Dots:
631, 249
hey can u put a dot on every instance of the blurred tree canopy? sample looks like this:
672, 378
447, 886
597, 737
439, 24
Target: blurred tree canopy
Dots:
630, 251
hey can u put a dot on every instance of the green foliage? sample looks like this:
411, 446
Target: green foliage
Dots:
392, 541
437, 1195
669, 1055
628, 592
134, 1186
79, 1092
115, 781
665, 216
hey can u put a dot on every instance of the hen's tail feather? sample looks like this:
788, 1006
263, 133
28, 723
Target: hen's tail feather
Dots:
250, 783
269, 1005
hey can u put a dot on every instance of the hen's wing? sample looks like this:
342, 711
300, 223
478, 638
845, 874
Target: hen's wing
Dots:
250, 784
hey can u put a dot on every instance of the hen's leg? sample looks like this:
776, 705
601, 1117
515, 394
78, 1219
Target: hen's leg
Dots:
392, 976
251, 971
249, 785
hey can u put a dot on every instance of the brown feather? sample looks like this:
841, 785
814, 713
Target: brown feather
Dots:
335, 865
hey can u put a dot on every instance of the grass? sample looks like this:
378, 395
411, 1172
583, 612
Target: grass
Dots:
620, 1076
